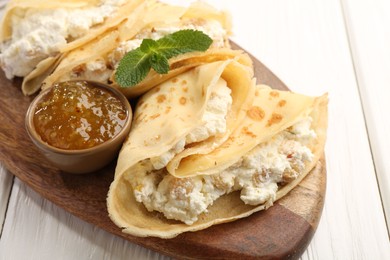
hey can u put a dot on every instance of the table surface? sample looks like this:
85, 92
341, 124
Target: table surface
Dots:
337, 46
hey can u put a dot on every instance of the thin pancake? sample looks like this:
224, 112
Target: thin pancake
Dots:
133, 217
272, 112
181, 64
174, 108
33, 80
14, 6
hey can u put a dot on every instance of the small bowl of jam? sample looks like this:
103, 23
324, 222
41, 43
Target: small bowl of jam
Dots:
79, 125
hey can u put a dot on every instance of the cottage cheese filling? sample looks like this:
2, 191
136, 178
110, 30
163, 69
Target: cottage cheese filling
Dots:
38, 34
256, 175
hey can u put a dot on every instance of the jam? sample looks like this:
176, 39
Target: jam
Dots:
77, 115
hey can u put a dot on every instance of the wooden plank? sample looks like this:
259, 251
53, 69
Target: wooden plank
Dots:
6, 180
43, 230
368, 26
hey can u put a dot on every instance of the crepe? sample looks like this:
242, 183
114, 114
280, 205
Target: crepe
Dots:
46, 63
149, 19
267, 115
16, 6
176, 107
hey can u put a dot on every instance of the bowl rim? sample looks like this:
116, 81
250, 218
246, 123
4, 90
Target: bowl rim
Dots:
30, 127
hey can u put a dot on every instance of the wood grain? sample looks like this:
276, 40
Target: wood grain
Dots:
282, 231
6, 180
370, 47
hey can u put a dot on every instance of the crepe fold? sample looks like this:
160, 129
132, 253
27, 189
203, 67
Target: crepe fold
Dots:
18, 8
22, 6
106, 48
262, 113
176, 107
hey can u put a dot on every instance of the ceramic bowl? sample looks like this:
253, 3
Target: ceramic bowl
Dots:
82, 160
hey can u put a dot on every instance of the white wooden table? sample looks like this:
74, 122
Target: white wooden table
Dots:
314, 46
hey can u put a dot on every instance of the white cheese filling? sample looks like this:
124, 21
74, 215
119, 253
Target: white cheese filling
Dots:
103, 71
213, 123
256, 176
40, 33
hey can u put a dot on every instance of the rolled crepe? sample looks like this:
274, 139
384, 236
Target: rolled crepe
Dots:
177, 107
46, 62
210, 169
15, 7
98, 59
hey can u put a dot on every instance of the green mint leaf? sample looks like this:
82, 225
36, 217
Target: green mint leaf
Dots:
159, 63
136, 64
148, 45
133, 68
182, 42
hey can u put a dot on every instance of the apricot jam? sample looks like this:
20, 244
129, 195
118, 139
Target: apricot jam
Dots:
78, 115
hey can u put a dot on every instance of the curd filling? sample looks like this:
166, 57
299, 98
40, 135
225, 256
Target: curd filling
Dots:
256, 175
40, 33
102, 69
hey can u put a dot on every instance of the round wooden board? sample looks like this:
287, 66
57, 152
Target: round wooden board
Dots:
282, 231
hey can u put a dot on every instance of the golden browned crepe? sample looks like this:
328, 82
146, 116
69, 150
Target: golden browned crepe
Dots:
17, 5
269, 113
176, 107
32, 82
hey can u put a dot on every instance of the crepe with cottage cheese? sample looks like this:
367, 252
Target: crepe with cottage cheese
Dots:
165, 185
98, 59
35, 33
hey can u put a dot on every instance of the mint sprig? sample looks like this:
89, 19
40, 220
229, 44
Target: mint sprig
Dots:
136, 64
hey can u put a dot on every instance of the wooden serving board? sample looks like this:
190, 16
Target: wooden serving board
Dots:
282, 231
